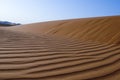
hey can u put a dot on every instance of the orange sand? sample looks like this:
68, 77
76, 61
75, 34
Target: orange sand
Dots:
78, 49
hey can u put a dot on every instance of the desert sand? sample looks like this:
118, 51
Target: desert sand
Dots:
76, 49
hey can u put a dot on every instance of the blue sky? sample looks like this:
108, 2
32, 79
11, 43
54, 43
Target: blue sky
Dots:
30, 11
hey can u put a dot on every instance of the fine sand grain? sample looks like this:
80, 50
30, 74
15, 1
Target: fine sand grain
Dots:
80, 49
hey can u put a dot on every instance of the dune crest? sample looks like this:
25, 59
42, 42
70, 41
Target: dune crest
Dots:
38, 51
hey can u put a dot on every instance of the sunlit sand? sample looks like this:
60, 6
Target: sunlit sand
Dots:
76, 49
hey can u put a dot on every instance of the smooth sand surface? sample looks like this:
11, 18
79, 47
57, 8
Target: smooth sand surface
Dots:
79, 49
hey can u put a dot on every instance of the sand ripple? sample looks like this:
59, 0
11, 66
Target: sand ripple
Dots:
30, 57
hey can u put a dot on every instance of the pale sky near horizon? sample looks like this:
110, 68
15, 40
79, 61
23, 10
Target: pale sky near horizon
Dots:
30, 11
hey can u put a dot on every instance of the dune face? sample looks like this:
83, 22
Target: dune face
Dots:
101, 29
79, 49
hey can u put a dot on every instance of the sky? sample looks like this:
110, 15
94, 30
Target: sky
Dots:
31, 11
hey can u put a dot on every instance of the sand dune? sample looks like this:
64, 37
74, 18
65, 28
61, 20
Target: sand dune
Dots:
101, 29
79, 49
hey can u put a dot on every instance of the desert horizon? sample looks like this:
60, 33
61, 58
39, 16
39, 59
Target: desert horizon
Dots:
59, 39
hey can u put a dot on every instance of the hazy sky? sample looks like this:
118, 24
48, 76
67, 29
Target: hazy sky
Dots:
29, 11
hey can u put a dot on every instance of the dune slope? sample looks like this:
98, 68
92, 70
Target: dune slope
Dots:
26, 54
101, 29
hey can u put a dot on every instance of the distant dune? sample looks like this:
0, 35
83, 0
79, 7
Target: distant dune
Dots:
76, 49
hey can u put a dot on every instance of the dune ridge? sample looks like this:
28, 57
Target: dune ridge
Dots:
38, 51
